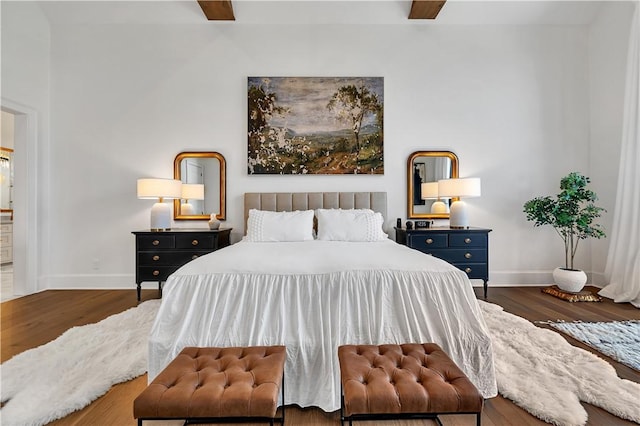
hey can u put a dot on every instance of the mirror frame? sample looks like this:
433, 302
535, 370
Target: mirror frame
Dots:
223, 185
454, 174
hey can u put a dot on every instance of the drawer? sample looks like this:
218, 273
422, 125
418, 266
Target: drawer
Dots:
427, 241
6, 255
156, 241
158, 273
474, 270
460, 255
195, 241
470, 239
6, 239
6, 227
168, 257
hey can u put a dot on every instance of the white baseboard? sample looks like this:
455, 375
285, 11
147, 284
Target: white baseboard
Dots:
531, 278
93, 282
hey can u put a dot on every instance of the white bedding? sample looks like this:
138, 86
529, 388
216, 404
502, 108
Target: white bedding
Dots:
314, 296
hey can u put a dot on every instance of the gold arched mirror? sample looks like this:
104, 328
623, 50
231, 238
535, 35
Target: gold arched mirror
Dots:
203, 176
428, 167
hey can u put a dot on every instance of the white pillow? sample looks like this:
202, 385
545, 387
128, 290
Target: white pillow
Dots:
350, 225
264, 226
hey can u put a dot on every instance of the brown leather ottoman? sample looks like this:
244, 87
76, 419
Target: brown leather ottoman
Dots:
212, 385
410, 381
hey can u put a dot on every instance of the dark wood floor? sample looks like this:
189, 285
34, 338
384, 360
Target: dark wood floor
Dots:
31, 321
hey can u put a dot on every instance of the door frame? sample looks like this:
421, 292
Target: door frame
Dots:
25, 206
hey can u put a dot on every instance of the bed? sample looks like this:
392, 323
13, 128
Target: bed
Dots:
314, 295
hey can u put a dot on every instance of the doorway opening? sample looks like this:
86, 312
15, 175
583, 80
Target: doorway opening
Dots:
7, 144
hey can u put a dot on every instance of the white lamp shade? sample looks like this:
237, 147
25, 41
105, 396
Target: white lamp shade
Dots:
463, 188
429, 190
159, 188
192, 191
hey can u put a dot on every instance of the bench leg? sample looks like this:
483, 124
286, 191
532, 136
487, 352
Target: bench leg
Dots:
283, 404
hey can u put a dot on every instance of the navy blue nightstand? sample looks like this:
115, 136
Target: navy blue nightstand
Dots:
467, 249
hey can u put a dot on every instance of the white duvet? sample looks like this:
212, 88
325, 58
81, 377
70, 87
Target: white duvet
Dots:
314, 296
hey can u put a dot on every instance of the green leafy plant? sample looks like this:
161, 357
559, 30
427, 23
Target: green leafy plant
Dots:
571, 213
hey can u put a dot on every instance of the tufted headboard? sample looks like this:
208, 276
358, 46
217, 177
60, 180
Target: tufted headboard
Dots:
290, 201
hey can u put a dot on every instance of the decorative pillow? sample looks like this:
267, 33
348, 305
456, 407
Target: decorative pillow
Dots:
263, 226
350, 225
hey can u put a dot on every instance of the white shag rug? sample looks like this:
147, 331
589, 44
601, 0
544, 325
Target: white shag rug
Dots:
541, 372
48, 382
536, 368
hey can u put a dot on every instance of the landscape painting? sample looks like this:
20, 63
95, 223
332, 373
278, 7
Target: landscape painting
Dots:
315, 125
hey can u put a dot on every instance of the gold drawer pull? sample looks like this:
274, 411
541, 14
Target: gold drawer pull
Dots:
156, 257
468, 255
468, 270
195, 256
194, 242
429, 241
467, 240
156, 273
155, 242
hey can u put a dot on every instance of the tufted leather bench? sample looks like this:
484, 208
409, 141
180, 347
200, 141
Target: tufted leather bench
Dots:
212, 385
407, 381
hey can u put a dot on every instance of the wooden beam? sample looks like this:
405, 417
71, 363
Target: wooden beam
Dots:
425, 9
217, 10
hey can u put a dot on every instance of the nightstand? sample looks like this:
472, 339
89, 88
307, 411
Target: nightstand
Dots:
466, 249
159, 254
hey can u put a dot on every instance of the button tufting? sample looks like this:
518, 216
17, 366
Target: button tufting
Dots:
428, 393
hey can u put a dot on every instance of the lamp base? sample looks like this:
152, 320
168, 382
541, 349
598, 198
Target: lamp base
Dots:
186, 209
458, 218
160, 217
438, 207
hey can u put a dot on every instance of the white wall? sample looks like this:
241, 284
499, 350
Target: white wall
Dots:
511, 101
608, 42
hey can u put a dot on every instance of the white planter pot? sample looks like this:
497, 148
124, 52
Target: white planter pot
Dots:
570, 280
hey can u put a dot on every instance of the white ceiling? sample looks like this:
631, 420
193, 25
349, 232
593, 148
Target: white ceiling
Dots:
305, 12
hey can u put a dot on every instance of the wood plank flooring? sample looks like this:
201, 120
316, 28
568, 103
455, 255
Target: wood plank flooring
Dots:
31, 321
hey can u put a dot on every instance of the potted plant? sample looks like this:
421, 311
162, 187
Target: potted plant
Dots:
571, 213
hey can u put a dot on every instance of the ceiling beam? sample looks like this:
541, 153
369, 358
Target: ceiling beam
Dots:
217, 10
425, 9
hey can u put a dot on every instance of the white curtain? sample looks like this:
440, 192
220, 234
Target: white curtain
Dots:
623, 262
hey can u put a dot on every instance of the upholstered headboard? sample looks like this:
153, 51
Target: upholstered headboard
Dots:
290, 201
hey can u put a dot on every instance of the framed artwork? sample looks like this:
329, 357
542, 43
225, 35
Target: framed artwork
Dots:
315, 125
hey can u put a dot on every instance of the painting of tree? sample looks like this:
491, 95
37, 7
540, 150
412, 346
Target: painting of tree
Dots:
315, 125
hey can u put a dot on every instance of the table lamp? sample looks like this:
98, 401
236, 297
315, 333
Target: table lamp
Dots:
461, 188
191, 191
430, 191
151, 188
